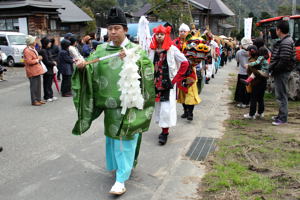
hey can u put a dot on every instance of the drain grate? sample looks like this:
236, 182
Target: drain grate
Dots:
201, 147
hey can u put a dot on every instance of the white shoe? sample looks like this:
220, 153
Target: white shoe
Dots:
247, 116
274, 118
118, 188
54, 98
239, 105
259, 116
243, 106
49, 100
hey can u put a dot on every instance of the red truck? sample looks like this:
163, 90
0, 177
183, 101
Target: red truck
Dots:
268, 27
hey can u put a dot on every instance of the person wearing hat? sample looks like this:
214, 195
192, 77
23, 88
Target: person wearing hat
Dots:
87, 46
183, 32
68, 36
34, 70
167, 60
241, 96
189, 97
121, 88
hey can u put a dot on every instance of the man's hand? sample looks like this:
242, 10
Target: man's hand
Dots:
80, 64
40, 58
122, 54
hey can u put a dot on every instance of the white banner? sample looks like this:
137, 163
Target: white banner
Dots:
248, 27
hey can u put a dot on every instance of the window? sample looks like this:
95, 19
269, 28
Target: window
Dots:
2, 24
296, 35
53, 24
15, 24
75, 27
65, 28
9, 24
17, 39
3, 41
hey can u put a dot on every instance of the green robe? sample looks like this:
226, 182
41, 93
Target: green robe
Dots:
95, 90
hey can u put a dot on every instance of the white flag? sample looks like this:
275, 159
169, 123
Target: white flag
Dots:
143, 33
248, 27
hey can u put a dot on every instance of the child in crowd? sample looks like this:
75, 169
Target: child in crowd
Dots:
261, 61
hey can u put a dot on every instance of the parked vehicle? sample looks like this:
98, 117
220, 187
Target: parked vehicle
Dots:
3, 57
2, 60
13, 44
268, 27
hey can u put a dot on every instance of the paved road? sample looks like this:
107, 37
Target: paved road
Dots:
42, 160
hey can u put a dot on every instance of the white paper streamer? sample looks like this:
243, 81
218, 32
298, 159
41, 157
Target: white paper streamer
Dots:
131, 95
143, 33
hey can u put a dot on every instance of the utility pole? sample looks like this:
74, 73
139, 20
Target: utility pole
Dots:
190, 12
239, 19
294, 7
208, 15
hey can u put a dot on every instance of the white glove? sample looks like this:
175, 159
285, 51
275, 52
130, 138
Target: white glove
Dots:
55, 70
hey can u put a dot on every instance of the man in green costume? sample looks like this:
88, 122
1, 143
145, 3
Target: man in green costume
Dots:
123, 88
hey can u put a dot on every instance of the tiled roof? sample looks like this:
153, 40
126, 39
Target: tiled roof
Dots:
70, 12
217, 7
147, 7
32, 3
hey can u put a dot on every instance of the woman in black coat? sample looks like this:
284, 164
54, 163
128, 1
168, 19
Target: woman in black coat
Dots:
49, 63
65, 66
258, 85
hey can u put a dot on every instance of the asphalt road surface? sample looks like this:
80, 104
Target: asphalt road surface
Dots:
42, 160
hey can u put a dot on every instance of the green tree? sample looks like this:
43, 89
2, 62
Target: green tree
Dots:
173, 11
255, 31
284, 10
91, 26
265, 15
251, 14
99, 8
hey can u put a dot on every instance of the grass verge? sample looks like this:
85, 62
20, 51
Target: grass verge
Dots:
255, 160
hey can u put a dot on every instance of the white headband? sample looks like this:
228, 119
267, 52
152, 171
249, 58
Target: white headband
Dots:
184, 27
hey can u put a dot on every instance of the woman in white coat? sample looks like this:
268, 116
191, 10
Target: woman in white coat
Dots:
167, 60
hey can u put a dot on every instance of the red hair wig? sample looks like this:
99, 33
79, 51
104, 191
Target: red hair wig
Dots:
167, 41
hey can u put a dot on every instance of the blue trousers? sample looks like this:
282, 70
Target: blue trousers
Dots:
120, 157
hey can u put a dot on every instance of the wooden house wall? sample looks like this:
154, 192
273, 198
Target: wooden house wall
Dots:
38, 25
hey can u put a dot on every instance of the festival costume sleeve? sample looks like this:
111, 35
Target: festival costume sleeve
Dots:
83, 98
181, 72
179, 57
185, 71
